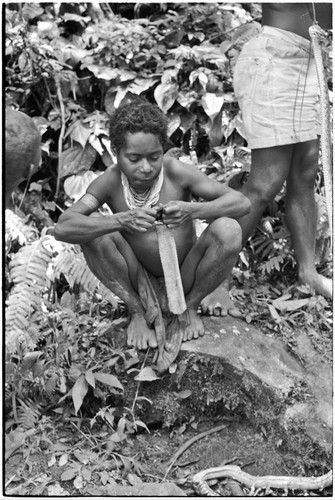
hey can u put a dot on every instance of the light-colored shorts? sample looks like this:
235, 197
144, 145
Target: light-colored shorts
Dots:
275, 83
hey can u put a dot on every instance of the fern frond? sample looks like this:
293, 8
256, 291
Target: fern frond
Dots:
28, 413
272, 264
75, 270
28, 272
18, 230
29, 265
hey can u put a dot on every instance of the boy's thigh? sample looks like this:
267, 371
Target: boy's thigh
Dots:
111, 250
223, 231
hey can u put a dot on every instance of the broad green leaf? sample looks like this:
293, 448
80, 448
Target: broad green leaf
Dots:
31, 11
80, 133
29, 360
86, 473
165, 95
216, 131
89, 375
75, 186
79, 391
82, 457
78, 482
131, 362
290, 305
147, 374
142, 424
283, 298
76, 18
174, 121
63, 460
103, 72
69, 474
225, 46
184, 394
52, 461
76, 159
116, 438
104, 476
108, 379
121, 426
273, 312
140, 85
212, 104
143, 398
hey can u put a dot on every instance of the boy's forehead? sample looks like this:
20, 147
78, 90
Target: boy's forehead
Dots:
142, 140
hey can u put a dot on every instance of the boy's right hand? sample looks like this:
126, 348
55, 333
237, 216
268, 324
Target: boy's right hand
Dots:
138, 220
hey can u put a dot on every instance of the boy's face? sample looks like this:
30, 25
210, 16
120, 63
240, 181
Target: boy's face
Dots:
141, 159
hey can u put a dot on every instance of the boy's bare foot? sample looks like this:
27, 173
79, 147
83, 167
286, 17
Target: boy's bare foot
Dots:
139, 334
194, 328
218, 303
321, 284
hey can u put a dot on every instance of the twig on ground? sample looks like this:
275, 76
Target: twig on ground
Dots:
188, 443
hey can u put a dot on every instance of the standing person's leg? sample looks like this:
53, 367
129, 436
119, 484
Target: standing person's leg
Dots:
269, 170
113, 262
301, 214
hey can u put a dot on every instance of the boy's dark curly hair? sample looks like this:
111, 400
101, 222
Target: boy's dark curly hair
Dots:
136, 115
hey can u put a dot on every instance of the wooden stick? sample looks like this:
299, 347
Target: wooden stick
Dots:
188, 443
170, 264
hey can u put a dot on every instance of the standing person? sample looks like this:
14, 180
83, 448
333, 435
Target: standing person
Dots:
118, 247
275, 83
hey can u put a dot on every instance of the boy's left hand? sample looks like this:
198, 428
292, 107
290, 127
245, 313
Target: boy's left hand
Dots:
175, 213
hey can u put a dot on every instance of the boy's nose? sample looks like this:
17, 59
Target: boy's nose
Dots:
145, 166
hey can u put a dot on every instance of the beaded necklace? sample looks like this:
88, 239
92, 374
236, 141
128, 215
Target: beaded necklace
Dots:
148, 198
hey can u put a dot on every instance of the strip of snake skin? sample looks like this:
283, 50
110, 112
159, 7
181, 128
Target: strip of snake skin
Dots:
317, 35
258, 482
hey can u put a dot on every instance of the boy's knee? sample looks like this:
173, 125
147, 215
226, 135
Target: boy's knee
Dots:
227, 232
99, 245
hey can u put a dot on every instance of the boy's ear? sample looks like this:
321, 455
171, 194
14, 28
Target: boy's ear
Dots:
114, 150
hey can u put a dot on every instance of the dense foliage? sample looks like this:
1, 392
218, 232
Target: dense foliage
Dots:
68, 65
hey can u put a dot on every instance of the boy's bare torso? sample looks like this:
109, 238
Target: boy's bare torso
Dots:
145, 245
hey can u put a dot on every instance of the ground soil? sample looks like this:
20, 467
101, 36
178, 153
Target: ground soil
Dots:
35, 474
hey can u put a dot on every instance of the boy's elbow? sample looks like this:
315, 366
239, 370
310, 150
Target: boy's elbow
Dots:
245, 204
59, 229
58, 233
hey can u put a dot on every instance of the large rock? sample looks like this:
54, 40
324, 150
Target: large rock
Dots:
257, 357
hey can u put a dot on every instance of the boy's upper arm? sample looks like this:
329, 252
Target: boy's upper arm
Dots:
199, 183
96, 195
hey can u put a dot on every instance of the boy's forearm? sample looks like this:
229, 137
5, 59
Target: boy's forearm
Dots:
230, 205
80, 228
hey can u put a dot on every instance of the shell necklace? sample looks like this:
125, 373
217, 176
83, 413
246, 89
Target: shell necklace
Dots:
148, 198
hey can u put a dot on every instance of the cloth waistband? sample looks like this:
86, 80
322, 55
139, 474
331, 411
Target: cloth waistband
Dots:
293, 38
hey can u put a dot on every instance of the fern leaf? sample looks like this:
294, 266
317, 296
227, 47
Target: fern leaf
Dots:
29, 413
75, 270
28, 272
18, 230
29, 265
272, 264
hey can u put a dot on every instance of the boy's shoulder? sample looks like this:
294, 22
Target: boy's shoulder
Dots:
105, 183
173, 165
